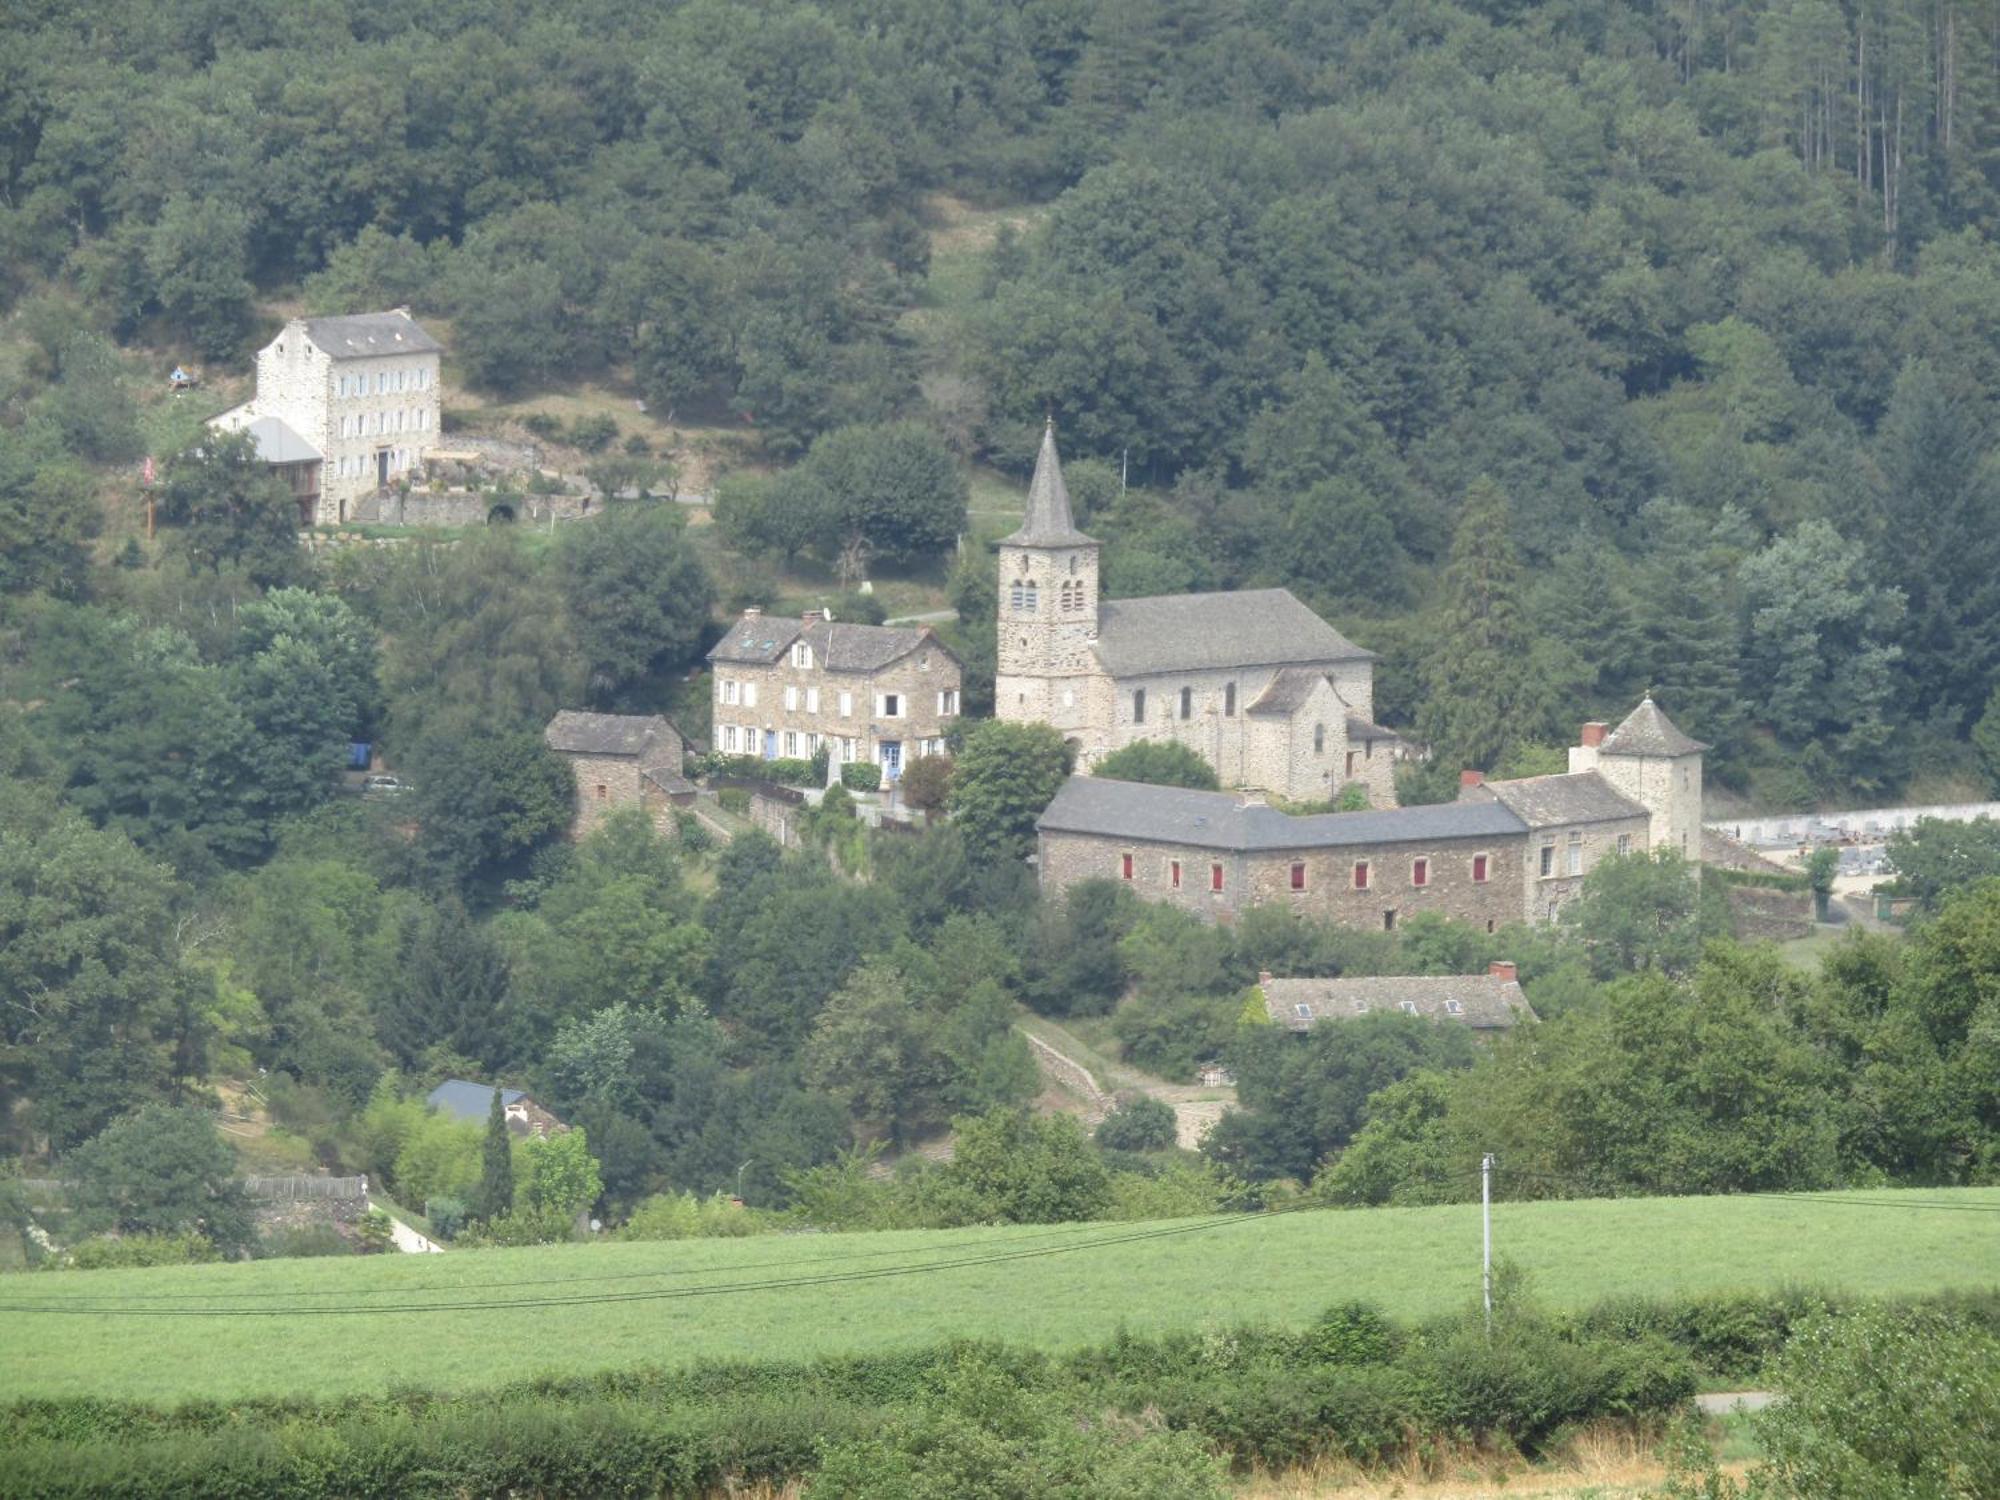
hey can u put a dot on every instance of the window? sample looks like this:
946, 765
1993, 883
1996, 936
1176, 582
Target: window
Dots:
729, 737
1420, 872
1350, 763
1624, 843
1138, 705
802, 655
732, 691
1303, 1011
1389, 920
603, 791
1548, 860
749, 695
1576, 852
1319, 739
812, 744
1187, 703
1033, 594
791, 744
1229, 700
791, 699
947, 703
1479, 869
1453, 1008
1407, 1007
1017, 596
1124, 867
812, 700
1361, 874
847, 705
1174, 873
1298, 877
849, 749
1215, 877
892, 706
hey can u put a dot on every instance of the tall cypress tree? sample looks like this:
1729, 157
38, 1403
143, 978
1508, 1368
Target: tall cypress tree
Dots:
1475, 675
496, 1175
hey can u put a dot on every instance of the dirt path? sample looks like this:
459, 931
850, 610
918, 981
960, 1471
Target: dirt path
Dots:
407, 1239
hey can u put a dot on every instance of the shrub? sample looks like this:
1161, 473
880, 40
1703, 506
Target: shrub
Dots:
542, 425
447, 1215
121, 1252
734, 799
304, 1241
593, 433
1139, 1123
377, 1236
861, 776
683, 1216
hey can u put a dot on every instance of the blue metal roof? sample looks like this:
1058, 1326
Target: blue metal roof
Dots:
465, 1100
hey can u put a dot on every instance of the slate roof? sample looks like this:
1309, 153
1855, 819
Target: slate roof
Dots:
1221, 820
838, 647
1484, 1002
608, 734
1647, 731
1359, 728
371, 335
1046, 521
1214, 632
1579, 797
667, 780
465, 1100
278, 444
1288, 691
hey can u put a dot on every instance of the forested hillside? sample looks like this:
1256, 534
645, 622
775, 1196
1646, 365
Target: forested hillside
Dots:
1707, 293
1555, 352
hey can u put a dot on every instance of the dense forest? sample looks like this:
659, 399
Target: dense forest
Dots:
1554, 351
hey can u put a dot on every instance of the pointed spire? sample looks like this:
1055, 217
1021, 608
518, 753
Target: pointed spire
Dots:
1047, 521
1648, 731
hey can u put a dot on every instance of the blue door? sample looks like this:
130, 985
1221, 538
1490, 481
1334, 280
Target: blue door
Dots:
770, 744
892, 759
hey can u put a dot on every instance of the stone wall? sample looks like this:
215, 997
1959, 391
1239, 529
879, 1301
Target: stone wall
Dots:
467, 508
604, 783
1329, 892
1544, 896
1759, 913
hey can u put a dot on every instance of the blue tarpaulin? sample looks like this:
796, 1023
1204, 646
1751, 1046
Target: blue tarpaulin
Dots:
358, 752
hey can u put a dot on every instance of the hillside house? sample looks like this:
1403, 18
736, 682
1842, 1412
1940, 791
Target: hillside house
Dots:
1489, 1004
345, 407
472, 1103
621, 760
789, 687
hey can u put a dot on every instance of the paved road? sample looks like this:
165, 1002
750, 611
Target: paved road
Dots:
407, 1239
1722, 1403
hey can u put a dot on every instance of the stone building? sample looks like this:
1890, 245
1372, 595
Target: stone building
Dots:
1254, 682
788, 687
1506, 851
621, 760
1489, 1004
345, 407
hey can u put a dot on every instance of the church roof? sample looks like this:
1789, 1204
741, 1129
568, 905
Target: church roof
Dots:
1210, 632
1647, 731
1579, 797
1288, 691
1047, 521
1222, 820
368, 335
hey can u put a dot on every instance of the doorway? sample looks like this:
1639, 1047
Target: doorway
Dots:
381, 468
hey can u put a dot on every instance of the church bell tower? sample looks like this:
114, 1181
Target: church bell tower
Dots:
1048, 605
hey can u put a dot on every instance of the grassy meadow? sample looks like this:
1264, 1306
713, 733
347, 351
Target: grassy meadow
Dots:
237, 1330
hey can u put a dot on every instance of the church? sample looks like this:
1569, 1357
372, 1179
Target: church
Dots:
1254, 682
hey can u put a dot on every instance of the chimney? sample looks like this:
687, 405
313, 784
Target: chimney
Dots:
1263, 979
1502, 969
809, 616
753, 612
1471, 778
1594, 733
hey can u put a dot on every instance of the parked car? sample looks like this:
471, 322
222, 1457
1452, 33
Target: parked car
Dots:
381, 785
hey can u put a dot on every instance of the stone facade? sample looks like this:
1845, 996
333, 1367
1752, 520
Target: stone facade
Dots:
1505, 852
361, 391
787, 688
1254, 683
621, 760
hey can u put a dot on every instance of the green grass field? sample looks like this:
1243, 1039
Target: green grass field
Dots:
1281, 1268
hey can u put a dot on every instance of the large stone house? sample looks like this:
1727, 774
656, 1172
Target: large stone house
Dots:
621, 760
345, 407
1254, 682
1506, 851
788, 687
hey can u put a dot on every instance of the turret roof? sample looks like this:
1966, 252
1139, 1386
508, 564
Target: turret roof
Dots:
1647, 731
1047, 521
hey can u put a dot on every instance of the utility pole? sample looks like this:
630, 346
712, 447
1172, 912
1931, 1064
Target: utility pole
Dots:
1486, 1234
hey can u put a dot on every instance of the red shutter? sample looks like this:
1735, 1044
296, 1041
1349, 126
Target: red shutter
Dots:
1361, 876
1125, 866
1174, 873
1298, 877
1479, 867
1420, 872
1215, 877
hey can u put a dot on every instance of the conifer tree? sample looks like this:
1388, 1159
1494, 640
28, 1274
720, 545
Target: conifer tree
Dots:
496, 1174
1476, 669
